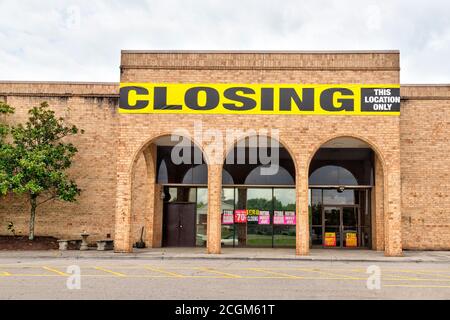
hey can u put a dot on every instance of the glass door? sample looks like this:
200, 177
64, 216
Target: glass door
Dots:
349, 228
332, 226
341, 228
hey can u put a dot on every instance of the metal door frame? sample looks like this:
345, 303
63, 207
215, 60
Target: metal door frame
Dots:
341, 225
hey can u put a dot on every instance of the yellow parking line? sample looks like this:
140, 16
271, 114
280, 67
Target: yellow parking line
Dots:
173, 274
414, 286
383, 276
229, 275
425, 273
55, 271
431, 271
34, 275
285, 275
396, 277
117, 274
343, 276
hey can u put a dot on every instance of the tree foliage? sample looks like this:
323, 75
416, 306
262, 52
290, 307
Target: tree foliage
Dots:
38, 159
5, 148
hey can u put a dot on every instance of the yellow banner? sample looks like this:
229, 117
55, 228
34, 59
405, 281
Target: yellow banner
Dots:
291, 99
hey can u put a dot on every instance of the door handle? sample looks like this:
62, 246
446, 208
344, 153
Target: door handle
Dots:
181, 226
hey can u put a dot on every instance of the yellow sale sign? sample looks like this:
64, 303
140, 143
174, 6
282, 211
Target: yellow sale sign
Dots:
351, 240
330, 239
262, 98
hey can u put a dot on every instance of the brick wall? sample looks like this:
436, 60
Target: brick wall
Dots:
111, 168
425, 165
92, 107
301, 135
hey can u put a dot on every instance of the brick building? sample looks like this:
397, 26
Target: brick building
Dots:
374, 181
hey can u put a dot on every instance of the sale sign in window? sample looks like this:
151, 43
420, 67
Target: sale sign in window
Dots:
252, 215
264, 217
289, 217
351, 239
240, 216
330, 239
278, 217
227, 217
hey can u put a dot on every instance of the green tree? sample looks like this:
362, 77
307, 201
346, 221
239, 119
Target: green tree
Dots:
4, 128
41, 158
6, 150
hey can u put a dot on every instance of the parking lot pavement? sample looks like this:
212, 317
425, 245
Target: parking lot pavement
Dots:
194, 279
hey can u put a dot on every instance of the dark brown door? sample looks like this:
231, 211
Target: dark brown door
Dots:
179, 225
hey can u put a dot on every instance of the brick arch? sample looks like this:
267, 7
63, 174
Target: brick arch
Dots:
280, 140
378, 208
152, 215
372, 145
144, 145
283, 143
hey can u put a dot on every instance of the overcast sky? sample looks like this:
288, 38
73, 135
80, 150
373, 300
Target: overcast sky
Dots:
81, 40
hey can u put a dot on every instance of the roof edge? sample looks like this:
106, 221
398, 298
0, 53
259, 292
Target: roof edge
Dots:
58, 82
263, 51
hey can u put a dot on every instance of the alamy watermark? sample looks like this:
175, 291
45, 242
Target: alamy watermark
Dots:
230, 146
374, 280
73, 281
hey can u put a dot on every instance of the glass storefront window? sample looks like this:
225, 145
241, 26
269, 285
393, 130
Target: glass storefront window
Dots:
284, 235
202, 214
342, 166
256, 202
258, 199
172, 195
333, 196
243, 166
315, 204
335, 175
340, 219
228, 231
192, 169
316, 236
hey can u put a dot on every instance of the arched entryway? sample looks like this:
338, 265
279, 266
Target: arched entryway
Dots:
143, 170
258, 195
346, 195
169, 193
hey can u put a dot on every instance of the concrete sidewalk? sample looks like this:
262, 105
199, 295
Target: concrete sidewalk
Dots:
237, 254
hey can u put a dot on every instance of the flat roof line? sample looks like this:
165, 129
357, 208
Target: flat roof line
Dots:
117, 83
57, 82
425, 84
264, 51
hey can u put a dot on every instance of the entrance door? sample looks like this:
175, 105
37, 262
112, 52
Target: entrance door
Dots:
179, 225
350, 227
332, 226
340, 226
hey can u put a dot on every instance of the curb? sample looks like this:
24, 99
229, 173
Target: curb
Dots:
222, 257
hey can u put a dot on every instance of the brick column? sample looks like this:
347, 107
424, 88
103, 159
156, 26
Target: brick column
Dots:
392, 211
377, 207
214, 208
122, 237
152, 218
157, 217
302, 227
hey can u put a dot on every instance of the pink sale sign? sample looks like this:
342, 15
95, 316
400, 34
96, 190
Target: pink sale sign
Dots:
278, 217
289, 217
264, 217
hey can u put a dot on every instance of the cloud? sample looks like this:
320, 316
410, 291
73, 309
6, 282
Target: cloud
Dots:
81, 40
